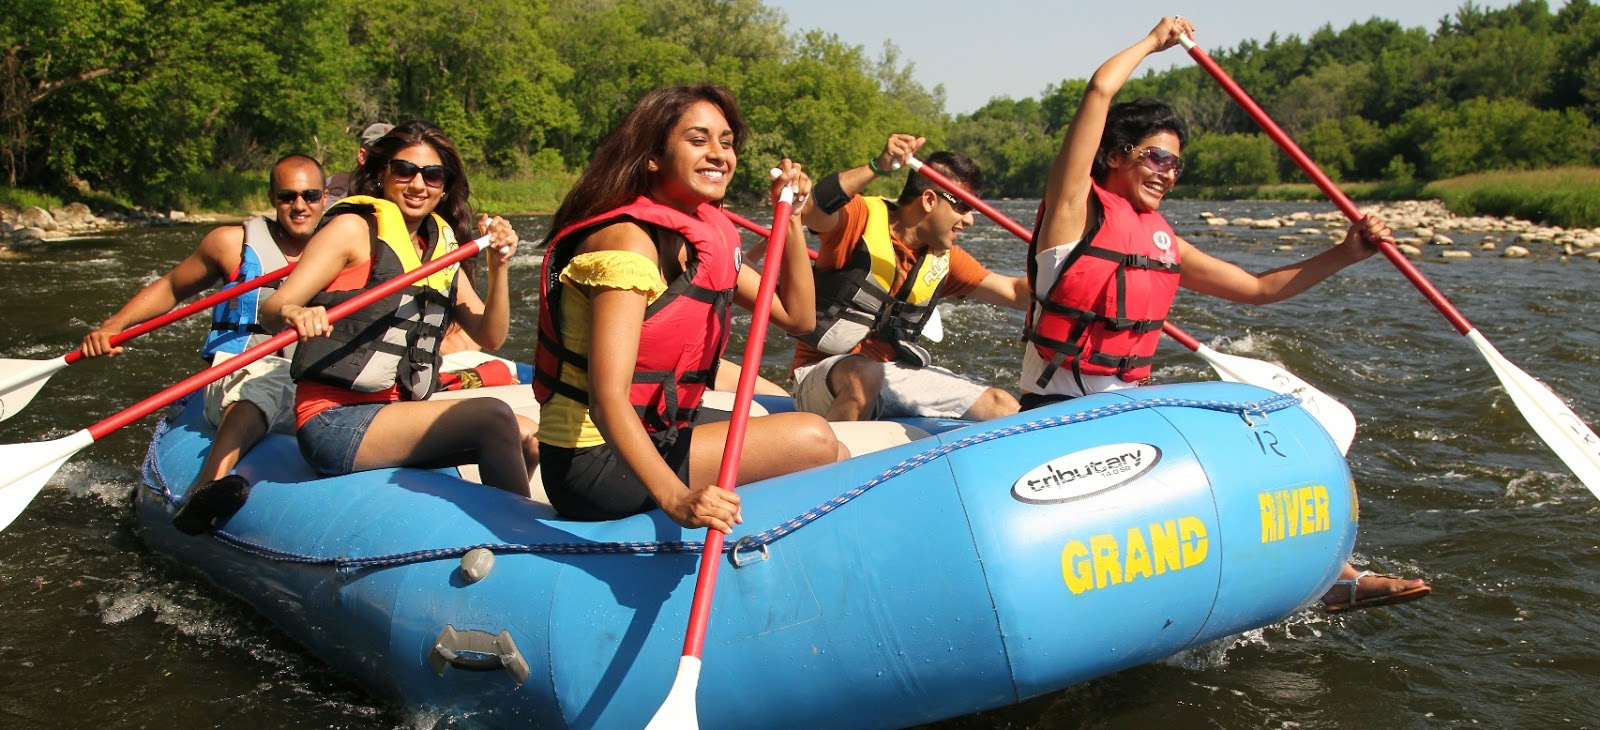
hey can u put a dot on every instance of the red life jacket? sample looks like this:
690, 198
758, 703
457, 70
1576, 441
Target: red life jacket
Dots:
685, 329
1104, 312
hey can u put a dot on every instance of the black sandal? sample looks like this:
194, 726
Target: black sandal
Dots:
211, 504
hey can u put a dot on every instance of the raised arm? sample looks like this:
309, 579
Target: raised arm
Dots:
794, 305
1210, 275
821, 211
1066, 191
488, 321
209, 263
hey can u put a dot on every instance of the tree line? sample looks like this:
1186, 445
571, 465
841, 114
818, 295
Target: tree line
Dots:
1507, 89
133, 97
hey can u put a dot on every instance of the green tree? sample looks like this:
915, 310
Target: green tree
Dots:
1492, 134
1232, 159
1011, 141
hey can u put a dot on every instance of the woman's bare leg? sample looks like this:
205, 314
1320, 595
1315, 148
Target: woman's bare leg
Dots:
423, 432
782, 443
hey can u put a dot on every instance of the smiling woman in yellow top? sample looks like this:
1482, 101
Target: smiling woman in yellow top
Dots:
642, 269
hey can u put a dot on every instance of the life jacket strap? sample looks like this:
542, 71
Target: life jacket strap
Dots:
1133, 261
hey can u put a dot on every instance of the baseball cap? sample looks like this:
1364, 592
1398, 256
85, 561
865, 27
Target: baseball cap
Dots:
373, 132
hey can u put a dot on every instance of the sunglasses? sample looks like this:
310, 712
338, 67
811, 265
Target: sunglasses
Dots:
960, 206
286, 197
1157, 160
402, 171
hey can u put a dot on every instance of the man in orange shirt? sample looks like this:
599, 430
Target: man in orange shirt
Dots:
883, 268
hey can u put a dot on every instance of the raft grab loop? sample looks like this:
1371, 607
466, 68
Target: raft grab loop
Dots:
747, 543
478, 651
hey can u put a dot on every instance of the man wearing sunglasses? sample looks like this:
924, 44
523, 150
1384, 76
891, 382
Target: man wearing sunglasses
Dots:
245, 405
882, 271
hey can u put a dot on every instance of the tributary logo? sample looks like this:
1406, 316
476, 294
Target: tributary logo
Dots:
1086, 472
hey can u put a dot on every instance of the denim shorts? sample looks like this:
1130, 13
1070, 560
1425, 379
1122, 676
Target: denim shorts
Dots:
330, 440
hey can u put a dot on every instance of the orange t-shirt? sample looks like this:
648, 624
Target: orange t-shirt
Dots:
313, 398
839, 244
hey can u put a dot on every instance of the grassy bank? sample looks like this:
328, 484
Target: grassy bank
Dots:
1567, 196
533, 194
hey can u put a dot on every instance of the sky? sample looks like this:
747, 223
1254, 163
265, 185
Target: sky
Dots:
980, 49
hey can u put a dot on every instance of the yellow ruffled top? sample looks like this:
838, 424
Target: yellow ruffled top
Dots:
563, 421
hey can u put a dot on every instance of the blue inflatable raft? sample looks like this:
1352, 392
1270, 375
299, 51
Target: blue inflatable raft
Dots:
970, 569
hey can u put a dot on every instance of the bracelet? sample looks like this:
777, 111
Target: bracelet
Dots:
872, 164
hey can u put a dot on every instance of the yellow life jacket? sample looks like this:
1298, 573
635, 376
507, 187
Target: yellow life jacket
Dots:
396, 339
854, 303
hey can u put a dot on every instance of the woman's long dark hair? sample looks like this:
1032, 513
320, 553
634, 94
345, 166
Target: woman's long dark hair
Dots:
618, 172
1128, 124
455, 208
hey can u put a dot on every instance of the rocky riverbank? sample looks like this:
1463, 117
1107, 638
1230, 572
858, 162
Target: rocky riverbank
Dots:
1424, 229
33, 227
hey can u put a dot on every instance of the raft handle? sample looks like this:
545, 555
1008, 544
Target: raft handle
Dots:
478, 651
742, 545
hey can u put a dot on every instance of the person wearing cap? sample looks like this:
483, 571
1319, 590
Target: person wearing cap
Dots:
339, 184
245, 405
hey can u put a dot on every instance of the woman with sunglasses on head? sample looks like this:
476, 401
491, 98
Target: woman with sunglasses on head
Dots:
1105, 266
634, 314
360, 401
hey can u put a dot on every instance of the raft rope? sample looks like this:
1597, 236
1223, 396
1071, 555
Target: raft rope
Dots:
749, 543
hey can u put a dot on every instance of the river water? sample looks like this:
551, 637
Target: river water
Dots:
95, 631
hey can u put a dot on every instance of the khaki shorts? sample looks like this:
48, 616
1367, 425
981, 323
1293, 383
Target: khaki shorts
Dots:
264, 383
907, 392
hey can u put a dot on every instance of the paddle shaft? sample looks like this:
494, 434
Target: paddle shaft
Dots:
277, 342
758, 229
705, 584
938, 178
200, 304
1342, 201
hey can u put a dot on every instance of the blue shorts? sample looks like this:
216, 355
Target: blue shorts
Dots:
330, 440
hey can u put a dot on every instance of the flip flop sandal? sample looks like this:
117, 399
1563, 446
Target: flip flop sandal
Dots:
1386, 599
211, 504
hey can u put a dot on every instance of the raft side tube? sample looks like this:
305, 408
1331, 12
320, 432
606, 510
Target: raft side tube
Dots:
1122, 540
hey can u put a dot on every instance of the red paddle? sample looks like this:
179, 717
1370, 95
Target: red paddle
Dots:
21, 379
1548, 414
678, 711
24, 468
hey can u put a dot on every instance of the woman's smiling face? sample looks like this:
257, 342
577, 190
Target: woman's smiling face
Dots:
415, 197
1135, 176
698, 161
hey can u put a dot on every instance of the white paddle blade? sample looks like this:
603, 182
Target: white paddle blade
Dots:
1335, 418
25, 468
1563, 430
20, 380
934, 329
678, 712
